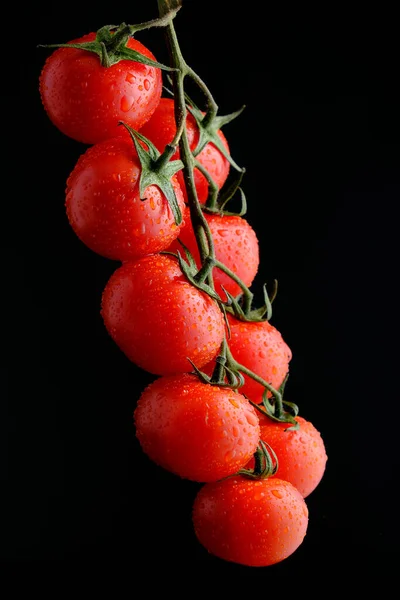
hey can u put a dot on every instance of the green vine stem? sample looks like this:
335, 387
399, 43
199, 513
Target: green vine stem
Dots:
225, 362
200, 225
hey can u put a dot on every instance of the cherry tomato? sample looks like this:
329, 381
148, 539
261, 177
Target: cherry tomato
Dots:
104, 206
236, 246
301, 452
256, 523
259, 346
161, 128
158, 318
196, 430
85, 100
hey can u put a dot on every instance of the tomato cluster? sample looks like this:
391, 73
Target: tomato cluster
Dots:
214, 413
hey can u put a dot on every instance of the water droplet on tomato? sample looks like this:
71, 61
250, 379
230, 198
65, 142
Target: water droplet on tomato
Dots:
130, 78
251, 418
277, 494
146, 84
230, 455
126, 103
223, 232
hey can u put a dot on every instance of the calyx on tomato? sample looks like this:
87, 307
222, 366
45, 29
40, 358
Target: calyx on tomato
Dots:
157, 169
209, 124
229, 373
193, 274
244, 312
218, 199
110, 44
266, 463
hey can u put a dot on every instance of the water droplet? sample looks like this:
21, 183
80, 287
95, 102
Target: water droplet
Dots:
126, 103
146, 84
223, 232
251, 418
277, 494
230, 455
234, 402
130, 78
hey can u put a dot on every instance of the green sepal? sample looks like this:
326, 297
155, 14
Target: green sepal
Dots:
208, 131
218, 199
256, 315
155, 171
209, 127
112, 48
266, 463
190, 270
268, 408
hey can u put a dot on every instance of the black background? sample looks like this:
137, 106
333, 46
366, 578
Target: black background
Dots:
320, 139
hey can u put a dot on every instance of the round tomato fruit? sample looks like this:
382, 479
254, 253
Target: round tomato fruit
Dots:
196, 430
158, 318
86, 100
161, 128
300, 452
104, 207
256, 523
235, 244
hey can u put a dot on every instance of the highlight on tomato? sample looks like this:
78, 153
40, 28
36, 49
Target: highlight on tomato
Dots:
196, 430
256, 523
158, 318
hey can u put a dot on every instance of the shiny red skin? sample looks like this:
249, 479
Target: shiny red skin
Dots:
159, 319
85, 100
195, 430
104, 207
301, 453
260, 347
236, 246
161, 128
256, 523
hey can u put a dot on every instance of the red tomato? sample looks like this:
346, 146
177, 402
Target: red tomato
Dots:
159, 319
256, 523
301, 452
161, 128
236, 246
86, 101
104, 207
259, 346
198, 431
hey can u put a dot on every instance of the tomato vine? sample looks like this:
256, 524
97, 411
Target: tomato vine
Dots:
124, 200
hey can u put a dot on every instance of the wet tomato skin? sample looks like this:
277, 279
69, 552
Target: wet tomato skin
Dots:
255, 523
236, 246
195, 430
161, 128
159, 319
85, 100
104, 207
301, 452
